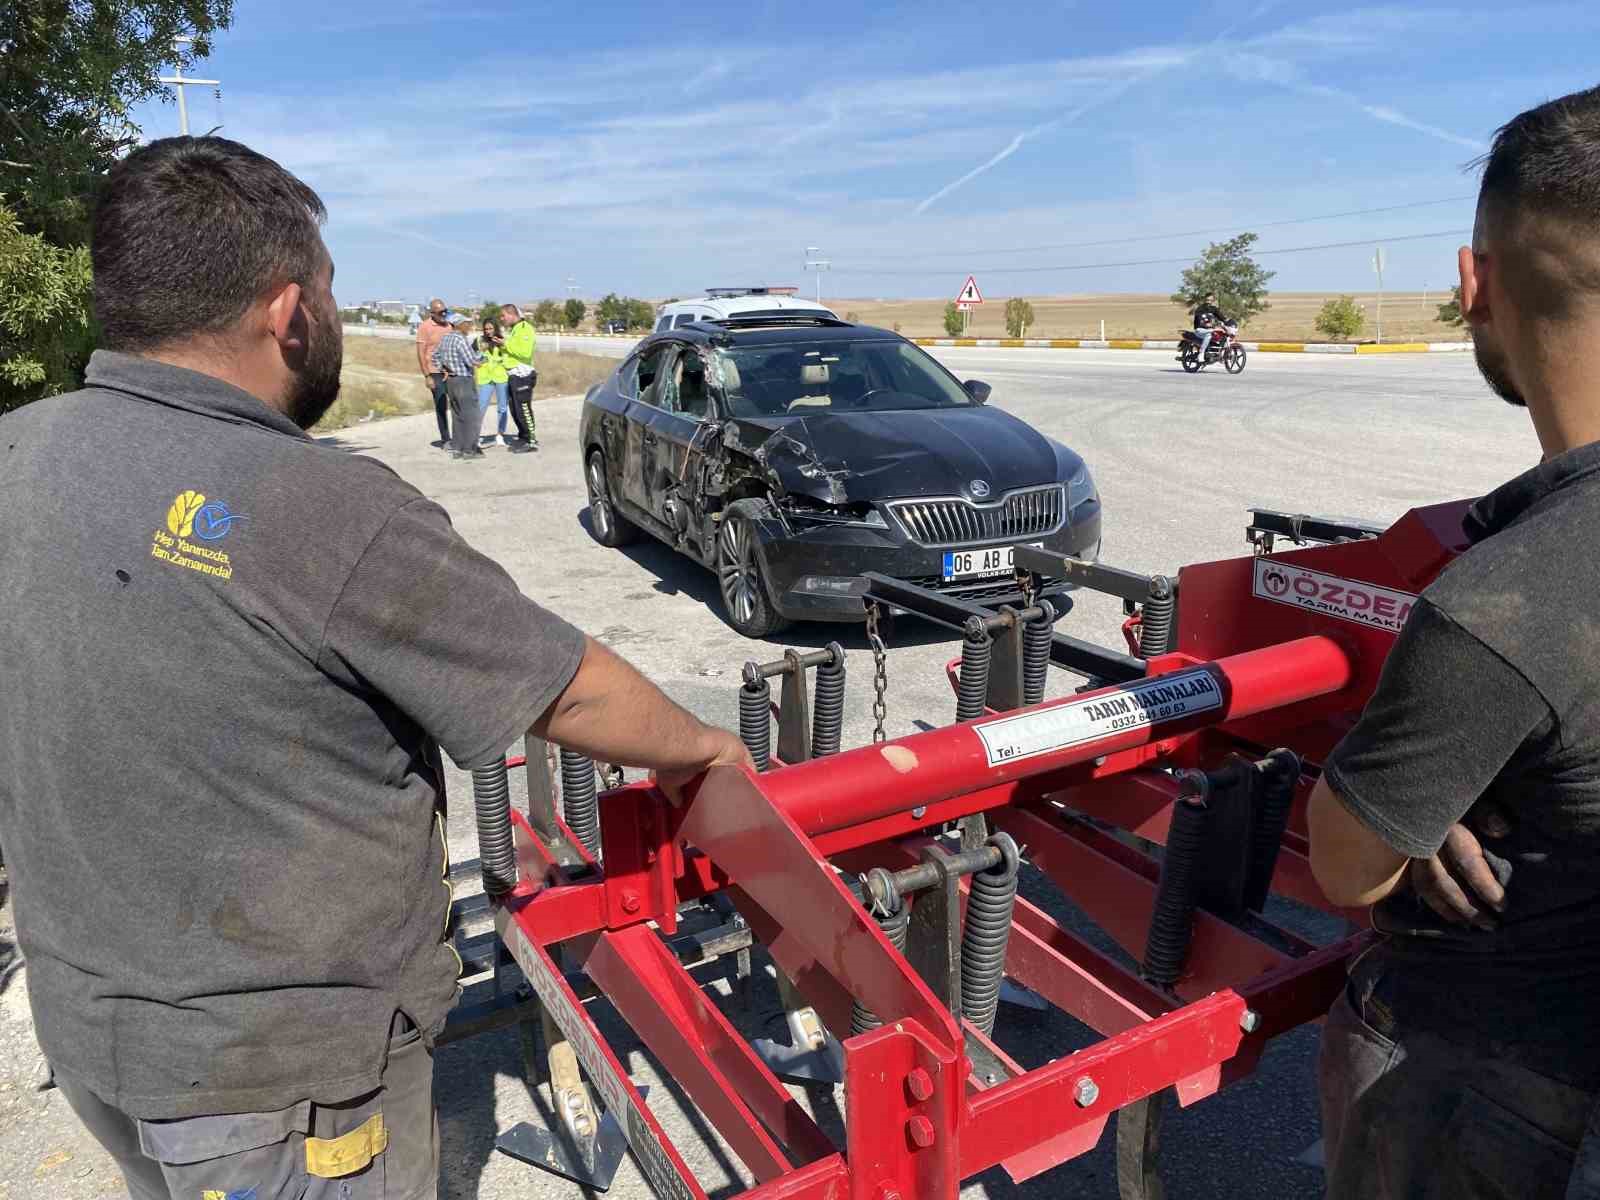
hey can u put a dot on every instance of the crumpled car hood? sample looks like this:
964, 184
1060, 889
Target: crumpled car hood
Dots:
848, 458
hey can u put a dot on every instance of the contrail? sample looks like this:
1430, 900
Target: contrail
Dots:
1384, 113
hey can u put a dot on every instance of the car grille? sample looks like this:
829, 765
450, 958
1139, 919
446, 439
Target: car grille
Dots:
1030, 512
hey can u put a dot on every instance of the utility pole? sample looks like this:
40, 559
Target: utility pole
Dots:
571, 288
178, 81
1377, 265
819, 265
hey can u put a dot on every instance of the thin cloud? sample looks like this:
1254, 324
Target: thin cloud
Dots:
1383, 112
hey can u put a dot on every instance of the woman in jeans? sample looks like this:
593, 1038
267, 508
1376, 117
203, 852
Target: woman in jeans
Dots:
492, 375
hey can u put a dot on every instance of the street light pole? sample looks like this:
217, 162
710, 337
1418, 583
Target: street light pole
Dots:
571, 288
179, 81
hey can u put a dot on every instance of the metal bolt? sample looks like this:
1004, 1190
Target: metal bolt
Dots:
1086, 1091
921, 1131
919, 1083
630, 901
1100, 760
1251, 1021
919, 811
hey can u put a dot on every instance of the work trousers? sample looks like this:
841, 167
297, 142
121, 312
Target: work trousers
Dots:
1409, 1115
463, 394
521, 391
441, 405
380, 1146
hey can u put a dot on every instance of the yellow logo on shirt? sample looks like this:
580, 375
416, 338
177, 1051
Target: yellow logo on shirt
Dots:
191, 517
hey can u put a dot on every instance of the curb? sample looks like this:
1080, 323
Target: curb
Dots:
1253, 347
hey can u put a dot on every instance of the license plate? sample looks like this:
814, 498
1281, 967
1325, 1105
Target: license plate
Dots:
978, 564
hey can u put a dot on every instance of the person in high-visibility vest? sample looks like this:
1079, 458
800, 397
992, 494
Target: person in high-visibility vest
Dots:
519, 347
491, 376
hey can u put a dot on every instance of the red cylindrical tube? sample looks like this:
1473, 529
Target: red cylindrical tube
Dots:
878, 781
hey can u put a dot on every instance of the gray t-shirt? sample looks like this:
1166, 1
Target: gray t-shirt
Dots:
1491, 695
228, 655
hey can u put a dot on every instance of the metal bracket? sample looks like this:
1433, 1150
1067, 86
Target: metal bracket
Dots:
933, 943
794, 712
813, 1055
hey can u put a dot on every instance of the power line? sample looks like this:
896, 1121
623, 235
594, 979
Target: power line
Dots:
1160, 237
1162, 262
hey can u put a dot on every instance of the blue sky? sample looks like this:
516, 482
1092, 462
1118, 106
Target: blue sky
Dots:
655, 149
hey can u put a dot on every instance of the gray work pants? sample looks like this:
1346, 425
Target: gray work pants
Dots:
381, 1146
463, 392
1408, 1115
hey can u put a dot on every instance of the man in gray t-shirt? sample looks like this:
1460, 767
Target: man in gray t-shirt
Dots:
1463, 1060
229, 657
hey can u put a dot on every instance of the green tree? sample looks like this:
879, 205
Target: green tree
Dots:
1341, 318
612, 307
547, 314
641, 314
490, 311
70, 73
1450, 312
1227, 269
954, 318
46, 332
1019, 315
574, 310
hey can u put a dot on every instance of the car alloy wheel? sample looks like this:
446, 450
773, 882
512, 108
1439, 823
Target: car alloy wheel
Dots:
738, 572
605, 523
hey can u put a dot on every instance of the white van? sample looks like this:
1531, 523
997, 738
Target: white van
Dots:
720, 303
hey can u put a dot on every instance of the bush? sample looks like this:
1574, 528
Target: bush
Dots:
954, 318
1019, 315
46, 331
1450, 312
1341, 318
574, 310
547, 314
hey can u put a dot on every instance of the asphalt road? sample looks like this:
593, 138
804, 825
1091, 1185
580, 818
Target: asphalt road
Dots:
1178, 459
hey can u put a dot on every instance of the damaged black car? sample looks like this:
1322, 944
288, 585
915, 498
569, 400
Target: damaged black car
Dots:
789, 454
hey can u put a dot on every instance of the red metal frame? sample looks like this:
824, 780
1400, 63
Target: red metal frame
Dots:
918, 1120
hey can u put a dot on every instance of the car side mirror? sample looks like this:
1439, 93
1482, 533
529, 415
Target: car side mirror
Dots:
978, 390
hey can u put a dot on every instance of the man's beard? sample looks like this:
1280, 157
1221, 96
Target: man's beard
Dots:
1492, 366
316, 383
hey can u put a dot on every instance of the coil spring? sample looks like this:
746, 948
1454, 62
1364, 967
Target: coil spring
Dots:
992, 896
755, 720
1279, 770
1155, 618
491, 797
579, 806
1036, 635
1172, 921
827, 711
895, 925
972, 690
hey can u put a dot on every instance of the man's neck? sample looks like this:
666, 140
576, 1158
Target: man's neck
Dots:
1562, 389
212, 361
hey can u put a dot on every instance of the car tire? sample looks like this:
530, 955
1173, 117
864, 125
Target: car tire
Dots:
606, 524
746, 600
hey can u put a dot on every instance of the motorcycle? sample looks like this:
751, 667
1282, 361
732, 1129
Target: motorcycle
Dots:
1225, 345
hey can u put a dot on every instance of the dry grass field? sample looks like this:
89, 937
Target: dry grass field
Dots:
380, 379
1407, 317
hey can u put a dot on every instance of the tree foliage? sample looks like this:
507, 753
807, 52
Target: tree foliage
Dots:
954, 318
489, 312
574, 310
70, 73
1450, 312
45, 330
1019, 315
546, 314
1227, 269
641, 314
1341, 318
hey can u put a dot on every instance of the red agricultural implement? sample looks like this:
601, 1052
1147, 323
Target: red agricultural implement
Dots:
1165, 799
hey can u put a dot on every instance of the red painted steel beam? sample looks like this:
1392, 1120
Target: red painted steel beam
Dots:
828, 1179
873, 782
1038, 1120
707, 1057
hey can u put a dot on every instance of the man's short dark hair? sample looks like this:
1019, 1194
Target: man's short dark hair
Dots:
191, 231
1541, 195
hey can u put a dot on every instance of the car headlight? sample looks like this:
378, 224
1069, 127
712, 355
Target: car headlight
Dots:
1080, 487
814, 513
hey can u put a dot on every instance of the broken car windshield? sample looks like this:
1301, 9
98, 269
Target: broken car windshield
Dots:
815, 378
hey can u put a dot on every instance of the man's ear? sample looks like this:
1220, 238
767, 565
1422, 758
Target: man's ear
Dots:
286, 321
1474, 280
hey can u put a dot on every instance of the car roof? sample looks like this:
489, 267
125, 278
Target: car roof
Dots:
730, 306
752, 331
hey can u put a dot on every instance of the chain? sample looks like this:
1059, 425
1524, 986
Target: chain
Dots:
880, 678
1025, 583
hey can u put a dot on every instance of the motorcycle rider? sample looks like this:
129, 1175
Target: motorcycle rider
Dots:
1208, 318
